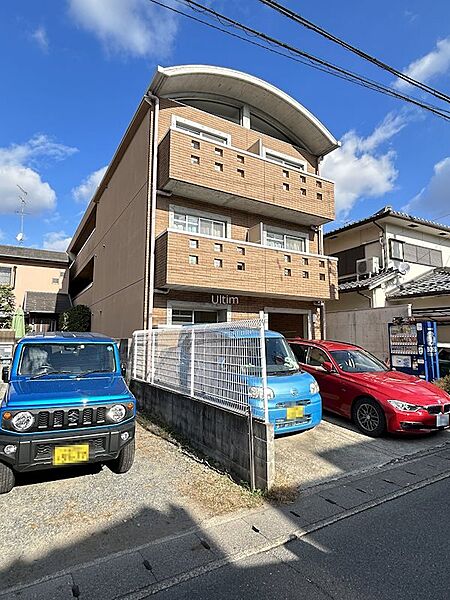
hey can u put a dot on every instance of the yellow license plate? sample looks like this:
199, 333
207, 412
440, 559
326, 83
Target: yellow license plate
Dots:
295, 412
68, 455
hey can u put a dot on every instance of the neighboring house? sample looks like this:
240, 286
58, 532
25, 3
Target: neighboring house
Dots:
211, 209
391, 259
40, 281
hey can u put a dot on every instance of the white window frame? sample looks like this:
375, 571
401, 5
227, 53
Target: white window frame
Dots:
284, 160
285, 233
181, 305
11, 274
393, 241
173, 208
201, 131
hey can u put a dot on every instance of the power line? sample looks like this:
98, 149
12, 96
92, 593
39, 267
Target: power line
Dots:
287, 12
305, 58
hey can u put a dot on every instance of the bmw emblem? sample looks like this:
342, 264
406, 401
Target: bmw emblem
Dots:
294, 392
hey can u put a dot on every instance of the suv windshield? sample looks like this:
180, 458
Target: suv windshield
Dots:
73, 359
280, 359
357, 361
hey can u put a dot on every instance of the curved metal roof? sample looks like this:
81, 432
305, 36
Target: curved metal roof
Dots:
279, 107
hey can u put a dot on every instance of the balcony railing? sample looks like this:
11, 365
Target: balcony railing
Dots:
200, 263
197, 168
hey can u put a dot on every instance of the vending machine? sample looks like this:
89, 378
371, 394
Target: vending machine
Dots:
413, 348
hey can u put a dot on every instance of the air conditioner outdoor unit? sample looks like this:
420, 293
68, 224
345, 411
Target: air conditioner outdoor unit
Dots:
367, 266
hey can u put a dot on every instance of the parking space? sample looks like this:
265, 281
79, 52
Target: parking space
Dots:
336, 448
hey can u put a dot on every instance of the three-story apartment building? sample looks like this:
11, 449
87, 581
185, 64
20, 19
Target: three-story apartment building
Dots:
211, 209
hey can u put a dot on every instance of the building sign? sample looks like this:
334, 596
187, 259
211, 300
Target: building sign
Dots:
224, 299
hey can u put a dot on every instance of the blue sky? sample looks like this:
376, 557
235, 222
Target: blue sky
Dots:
73, 72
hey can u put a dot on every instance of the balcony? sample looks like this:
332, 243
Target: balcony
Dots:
230, 266
202, 170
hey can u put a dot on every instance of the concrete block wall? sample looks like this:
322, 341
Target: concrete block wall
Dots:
218, 434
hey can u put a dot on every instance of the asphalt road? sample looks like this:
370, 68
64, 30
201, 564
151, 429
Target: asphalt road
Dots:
398, 549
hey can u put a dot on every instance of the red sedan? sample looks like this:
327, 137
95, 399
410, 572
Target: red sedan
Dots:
355, 384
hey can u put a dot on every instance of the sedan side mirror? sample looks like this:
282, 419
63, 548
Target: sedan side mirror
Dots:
5, 374
328, 367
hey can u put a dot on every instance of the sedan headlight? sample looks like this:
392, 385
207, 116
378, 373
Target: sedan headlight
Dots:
22, 421
314, 388
257, 391
116, 413
404, 406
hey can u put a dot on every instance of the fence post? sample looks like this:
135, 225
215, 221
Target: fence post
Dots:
153, 351
134, 368
262, 343
192, 361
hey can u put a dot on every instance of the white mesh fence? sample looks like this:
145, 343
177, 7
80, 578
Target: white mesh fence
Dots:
216, 363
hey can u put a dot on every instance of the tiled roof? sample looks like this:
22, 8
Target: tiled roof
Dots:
368, 283
388, 211
33, 254
46, 302
435, 283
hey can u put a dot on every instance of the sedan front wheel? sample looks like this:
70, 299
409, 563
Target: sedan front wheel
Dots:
369, 417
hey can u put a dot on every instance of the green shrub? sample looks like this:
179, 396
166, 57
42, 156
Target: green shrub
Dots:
444, 383
7, 306
77, 318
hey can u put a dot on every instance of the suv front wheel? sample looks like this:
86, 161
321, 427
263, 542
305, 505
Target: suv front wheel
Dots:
7, 478
369, 417
125, 460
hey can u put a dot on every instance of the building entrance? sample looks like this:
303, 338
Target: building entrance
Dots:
289, 324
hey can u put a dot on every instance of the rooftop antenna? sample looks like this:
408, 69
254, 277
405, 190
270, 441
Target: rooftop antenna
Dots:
23, 202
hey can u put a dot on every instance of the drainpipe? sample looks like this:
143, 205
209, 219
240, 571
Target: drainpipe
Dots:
149, 295
384, 261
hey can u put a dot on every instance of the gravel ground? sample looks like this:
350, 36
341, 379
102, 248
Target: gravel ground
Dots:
55, 519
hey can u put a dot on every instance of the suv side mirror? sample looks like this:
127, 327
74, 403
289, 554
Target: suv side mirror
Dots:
123, 370
5, 374
328, 367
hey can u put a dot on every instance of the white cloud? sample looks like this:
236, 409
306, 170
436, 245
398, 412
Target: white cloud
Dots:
359, 169
133, 27
39, 36
56, 240
432, 200
86, 189
429, 66
18, 164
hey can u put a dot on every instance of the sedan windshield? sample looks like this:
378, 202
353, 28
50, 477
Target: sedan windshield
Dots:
280, 359
357, 361
39, 360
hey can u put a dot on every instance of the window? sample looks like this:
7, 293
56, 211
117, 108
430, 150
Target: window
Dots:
240, 250
306, 261
193, 260
322, 264
55, 280
285, 161
421, 255
218, 167
300, 352
288, 272
305, 275
319, 196
197, 224
322, 276
285, 241
285, 173
286, 187
211, 135
195, 144
218, 263
240, 159
218, 247
195, 160
287, 258
5, 276
240, 266
318, 183
302, 179
189, 317
240, 172
317, 357
303, 191
396, 249
193, 243
218, 151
